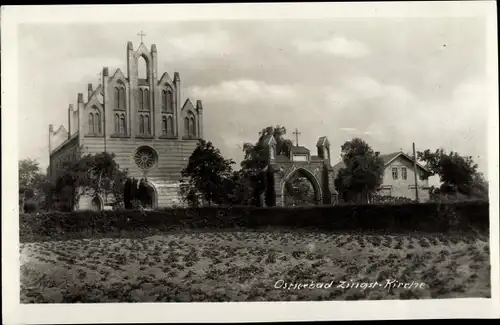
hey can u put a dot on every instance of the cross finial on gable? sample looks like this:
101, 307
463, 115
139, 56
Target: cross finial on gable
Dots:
296, 133
141, 34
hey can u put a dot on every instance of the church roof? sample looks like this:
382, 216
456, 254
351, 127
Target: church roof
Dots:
299, 149
322, 141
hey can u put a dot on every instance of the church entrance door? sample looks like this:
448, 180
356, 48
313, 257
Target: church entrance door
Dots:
139, 194
95, 205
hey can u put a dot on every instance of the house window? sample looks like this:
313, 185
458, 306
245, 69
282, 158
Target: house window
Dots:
404, 173
394, 173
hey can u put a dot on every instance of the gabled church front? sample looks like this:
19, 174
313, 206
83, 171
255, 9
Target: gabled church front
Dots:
145, 122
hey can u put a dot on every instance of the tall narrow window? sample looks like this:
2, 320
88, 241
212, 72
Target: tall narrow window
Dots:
164, 125
97, 121
170, 126
122, 97
117, 97
192, 131
146, 100
169, 101
141, 124
141, 98
117, 123
394, 173
163, 100
186, 126
91, 123
123, 125
148, 125
404, 173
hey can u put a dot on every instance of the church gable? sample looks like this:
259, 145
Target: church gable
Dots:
143, 51
166, 80
93, 103
118, 76
188, 106
190, 120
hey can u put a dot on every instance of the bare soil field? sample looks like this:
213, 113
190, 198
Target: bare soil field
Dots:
255, 266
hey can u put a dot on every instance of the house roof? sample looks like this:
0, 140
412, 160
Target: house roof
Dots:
386, 158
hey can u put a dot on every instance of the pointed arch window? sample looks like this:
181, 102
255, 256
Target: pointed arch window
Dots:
97, 121
192, 131
146, 100
186, 126
123, 125
117, 97
117, 123
164, 101
167, 101
91, 123
170, 126
122, 98
164, 127
141, 98
141, 124
148, 125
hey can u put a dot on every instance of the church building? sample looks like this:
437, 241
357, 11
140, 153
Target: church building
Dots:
144, 121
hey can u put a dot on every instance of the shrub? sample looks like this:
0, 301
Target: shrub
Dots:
423, 217
30, 206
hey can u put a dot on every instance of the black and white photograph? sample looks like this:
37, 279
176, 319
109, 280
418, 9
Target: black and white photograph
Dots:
332, 154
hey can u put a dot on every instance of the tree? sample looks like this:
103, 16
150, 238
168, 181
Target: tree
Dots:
208, 175
90, 175
255, 163
299, 191
31, 182
363, 171
458, 174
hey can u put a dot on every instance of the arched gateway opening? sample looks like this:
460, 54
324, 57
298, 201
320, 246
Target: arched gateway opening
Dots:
300, 188
139, 193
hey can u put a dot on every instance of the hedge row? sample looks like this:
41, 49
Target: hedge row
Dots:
423, 217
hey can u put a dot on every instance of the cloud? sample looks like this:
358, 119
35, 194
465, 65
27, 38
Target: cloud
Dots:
244, 91
336, 45
199, 45
348, 129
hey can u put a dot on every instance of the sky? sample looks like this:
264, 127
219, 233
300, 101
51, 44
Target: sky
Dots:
388, 81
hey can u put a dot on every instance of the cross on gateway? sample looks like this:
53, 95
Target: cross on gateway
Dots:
296, 133
141, 34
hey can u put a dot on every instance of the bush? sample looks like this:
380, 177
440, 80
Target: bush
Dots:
30, 206
423, 217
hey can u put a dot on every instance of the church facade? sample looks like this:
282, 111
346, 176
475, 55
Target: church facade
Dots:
144, 121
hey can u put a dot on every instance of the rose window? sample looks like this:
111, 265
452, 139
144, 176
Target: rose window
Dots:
145, 157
